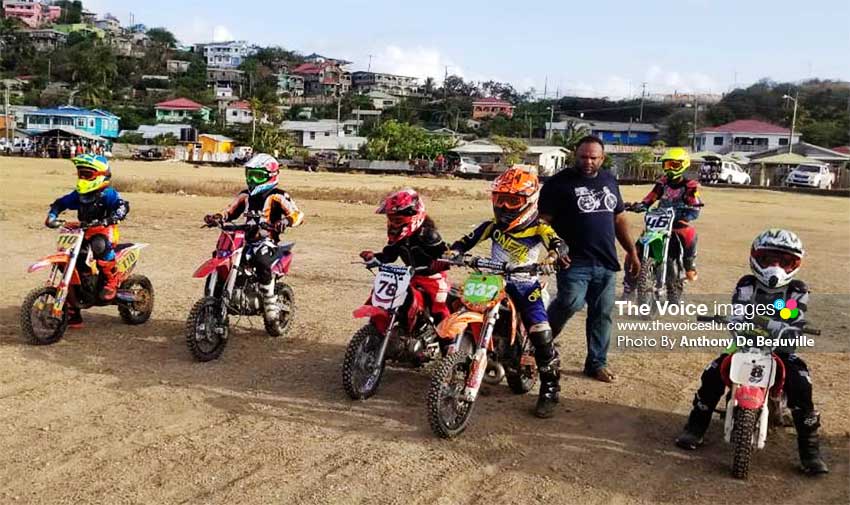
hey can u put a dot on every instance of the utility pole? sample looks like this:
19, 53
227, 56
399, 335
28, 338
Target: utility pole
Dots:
642, 96
696, 118
551, 119
446, 97
529, 124
369, 68
6, 114
545, 86
338, 109
793, 122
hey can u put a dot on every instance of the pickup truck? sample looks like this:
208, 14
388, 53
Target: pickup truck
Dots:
810, 176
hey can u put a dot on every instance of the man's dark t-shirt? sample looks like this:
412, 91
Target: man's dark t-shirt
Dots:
583, 210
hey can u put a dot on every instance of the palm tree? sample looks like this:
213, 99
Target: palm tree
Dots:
429, 86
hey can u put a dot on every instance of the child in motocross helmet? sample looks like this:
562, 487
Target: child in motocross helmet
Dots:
413, 237
674, 190
518, 235
276, 208
95, 201
775, 259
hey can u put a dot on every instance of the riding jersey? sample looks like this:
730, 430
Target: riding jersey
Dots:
749, 291
274, 205
417, 250
100, 206
682, 195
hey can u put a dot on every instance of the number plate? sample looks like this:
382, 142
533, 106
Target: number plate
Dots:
658, 220
480, 289
66, 241
390, 288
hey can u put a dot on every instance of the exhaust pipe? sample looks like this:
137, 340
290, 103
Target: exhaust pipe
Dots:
494, 373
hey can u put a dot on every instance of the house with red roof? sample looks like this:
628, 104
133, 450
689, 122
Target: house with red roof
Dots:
491, 107
238, 113
324, 77
180, 110
744, 135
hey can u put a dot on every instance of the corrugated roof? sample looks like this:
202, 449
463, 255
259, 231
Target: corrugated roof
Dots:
73, 111
785, 159
180, 104
747, 126
217, 138
70, 131
491, 100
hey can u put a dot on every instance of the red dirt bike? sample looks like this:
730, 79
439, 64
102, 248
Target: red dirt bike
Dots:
400, 329
755, 376
488, 343
44, 316
231, 289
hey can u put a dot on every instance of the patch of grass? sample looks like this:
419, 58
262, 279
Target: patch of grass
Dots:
228, 188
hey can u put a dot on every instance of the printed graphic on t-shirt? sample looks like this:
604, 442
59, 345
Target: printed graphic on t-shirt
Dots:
590, 200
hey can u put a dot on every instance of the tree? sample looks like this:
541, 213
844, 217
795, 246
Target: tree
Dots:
132, 138
271, 139
72, 11
162, 37
514, 149
165, 139
393, 140
428, 87
677, 129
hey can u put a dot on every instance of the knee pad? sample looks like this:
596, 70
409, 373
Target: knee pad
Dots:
100, 247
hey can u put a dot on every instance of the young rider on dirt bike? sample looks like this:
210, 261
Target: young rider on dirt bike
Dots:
94, 200
517, 235
278, 210
675, 190
775, 259
413, 237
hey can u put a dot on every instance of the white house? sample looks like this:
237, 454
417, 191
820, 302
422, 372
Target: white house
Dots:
306, 133
225, 54
744, 135
381, 100
549, 159
238, 113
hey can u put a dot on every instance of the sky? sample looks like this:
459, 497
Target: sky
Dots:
600, 48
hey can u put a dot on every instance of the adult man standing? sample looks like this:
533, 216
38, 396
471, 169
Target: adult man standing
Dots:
585, 208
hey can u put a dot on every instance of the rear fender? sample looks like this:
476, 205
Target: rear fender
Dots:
47, 261
281, 265
750, 397
379, 317
454, 325
128, 257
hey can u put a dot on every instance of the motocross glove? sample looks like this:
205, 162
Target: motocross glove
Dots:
213, 219
367, 256
51, 221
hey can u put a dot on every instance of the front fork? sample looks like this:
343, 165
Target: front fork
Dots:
65, 283
479, 358
391, 329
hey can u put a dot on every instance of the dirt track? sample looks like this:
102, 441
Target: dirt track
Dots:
117, 414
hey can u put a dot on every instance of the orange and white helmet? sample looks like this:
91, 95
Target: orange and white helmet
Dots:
515, 194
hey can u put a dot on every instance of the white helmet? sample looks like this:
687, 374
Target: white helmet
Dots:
776, 256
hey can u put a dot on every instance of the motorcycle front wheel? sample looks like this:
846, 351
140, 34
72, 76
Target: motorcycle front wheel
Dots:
448, 412
646, 285
361, 372
742, 440
38, 324
206, 332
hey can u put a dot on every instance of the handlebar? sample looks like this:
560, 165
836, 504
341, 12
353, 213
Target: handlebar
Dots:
56, 223
721, 319
479, 263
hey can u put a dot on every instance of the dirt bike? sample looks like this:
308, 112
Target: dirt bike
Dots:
400, 329
231, 289
44, 315
661, 264
755, 376
488, 343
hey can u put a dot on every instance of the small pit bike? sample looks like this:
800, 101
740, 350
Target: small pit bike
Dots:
754, 377
44, 312
231, 289
400, 329
488, 342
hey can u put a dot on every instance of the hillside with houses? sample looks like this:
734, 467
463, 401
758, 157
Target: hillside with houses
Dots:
88, 79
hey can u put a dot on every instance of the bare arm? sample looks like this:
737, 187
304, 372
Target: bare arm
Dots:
621, 228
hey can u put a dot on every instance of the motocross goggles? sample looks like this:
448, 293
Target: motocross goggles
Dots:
509, 201
257, 176
770, 257
89, 174
672, 164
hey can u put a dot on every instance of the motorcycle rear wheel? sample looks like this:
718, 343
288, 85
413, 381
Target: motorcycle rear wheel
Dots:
448, 414
286, 299
139, 311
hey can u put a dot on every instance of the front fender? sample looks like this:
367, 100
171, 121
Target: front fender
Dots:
53, 259
750, 397
379, 317
456, 323
208, 266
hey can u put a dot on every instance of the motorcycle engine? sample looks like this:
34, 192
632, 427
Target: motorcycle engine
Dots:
246, 300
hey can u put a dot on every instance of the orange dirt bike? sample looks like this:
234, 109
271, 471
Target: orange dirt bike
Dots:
488, 343
44, 317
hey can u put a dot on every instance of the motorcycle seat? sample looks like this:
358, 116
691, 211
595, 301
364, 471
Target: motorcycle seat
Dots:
285, 248
121, 247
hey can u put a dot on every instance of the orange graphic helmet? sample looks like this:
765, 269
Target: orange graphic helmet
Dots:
515, 195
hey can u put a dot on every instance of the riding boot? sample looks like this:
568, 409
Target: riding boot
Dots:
548, 366
808, 443
110, 278
695, 428
271, 308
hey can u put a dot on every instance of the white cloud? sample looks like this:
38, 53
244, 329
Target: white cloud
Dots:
222, 34
201, 30
421, 62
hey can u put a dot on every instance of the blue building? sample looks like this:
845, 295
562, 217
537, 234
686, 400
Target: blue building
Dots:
96, 121
610, 132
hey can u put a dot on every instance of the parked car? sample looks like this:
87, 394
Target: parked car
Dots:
467, 166
811, 176
732, 173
